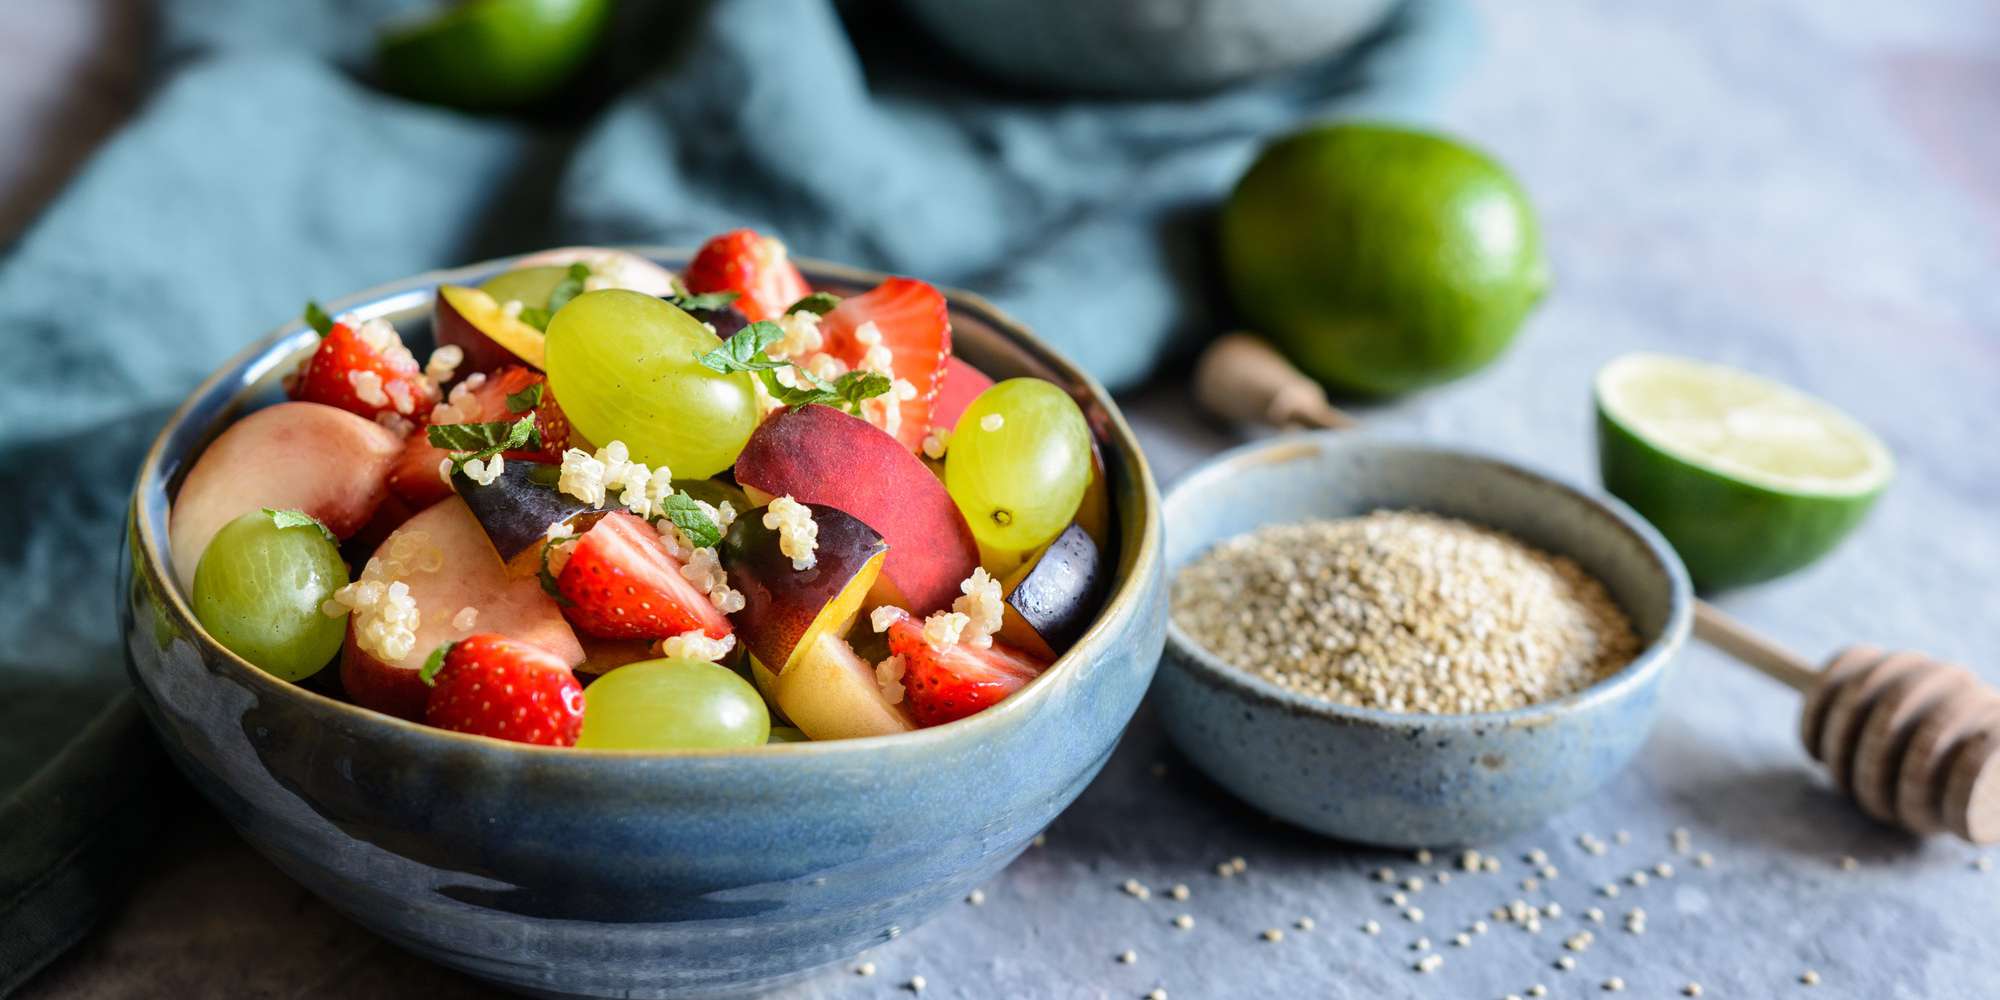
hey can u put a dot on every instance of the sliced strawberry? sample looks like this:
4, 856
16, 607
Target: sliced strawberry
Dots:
622, 583
483, 400
754, 266
962, 384
368, 372
491, 685
945, 685
915, 327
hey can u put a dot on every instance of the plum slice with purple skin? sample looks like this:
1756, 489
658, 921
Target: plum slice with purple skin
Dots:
1051, 599
518, 508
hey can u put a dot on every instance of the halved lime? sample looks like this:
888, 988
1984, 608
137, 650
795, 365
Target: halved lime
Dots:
489, 54
1749, 479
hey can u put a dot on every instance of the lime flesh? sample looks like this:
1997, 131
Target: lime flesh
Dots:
1749, 479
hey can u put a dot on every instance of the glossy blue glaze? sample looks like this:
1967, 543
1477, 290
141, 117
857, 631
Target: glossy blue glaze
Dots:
606, 873
1414, 780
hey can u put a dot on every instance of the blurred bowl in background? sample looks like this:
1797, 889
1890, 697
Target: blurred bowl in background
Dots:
1144, 48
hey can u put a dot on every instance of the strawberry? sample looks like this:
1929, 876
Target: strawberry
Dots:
365, 369
960, 385
483, 399
622, 583
915, 327
490, 685
945, 685
753, 266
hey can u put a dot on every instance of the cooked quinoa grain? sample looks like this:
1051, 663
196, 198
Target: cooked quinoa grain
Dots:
1403, 611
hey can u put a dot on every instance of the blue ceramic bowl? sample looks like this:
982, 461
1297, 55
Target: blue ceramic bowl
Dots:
1414, 780
601, 873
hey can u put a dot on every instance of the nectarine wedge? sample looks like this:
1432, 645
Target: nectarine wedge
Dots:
293, 456
831, 694
817, 454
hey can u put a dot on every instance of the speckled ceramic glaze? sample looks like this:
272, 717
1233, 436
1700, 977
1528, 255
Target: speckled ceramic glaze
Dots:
604, 873
1414, 780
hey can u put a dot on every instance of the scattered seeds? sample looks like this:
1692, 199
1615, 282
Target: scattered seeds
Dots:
1580, 941
1157, 994
1614, 985
1809, 977
1398, 899
1273, 934
1430, 963
1128, 957
1692, 989
1469, 861
1594, 915
1184, 922
1462, 939
1492, 864
1479, 927
1135, 890
1538, 990
1536, 857
1552, 911
1370, 927
1041, 840
1566, 963
1304, 923
976, 897
1609, 889
1178, 892
865, 969
1622, 837
1385, 874
1663, 870
1638, 879
917, 984
1421, 944
1530, 884
1413, 884
1443, 878
1225, 870
1413, 915
1549, 873
1423, 856
1239, 864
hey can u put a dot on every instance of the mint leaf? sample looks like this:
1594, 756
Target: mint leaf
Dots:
318, 319
525, 400
707, 300
570, 287
686, 514
434, 663
855, 386
537, 318
816, 389
483, 441
744, 352
818, 303
298, 519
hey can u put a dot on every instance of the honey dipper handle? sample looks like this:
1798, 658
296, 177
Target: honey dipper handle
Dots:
1241, 377
1736, 639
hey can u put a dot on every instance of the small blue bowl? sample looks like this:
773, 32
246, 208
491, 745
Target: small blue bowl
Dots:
1398, 779
594, 873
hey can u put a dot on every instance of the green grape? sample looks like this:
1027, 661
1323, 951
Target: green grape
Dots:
787, 734
258, 591
623, 364
529, 286
1019, 483
673, 705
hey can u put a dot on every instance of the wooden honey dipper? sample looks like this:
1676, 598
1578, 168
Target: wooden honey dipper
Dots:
1915, 741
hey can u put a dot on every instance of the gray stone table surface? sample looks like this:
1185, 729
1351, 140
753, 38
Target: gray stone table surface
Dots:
1804, 188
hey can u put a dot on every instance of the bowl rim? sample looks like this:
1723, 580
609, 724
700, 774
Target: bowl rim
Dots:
1121, 603
1641, 671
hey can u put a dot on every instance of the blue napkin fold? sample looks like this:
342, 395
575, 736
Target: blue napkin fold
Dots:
261, 172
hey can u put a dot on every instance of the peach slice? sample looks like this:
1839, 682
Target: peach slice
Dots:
817, 454
622, 268
1053, 597
469, 574
293, 456
829, 693
786, 610
475, 323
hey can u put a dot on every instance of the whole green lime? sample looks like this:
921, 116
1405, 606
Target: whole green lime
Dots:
1382, 259
490, 54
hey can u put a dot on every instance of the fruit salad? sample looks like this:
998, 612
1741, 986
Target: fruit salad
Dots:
620, 507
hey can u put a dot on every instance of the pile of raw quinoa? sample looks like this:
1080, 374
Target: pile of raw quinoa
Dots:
1403, 611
